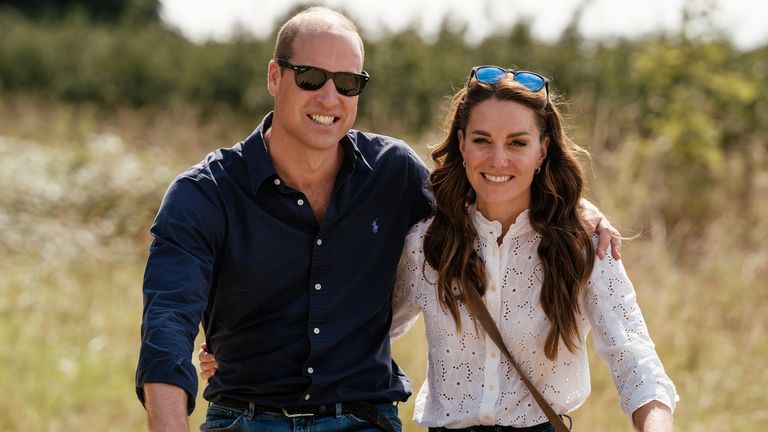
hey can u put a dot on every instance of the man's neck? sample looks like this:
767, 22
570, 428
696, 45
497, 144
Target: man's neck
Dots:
300, 167
310, 171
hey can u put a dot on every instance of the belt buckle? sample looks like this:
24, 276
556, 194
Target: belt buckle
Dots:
287, 414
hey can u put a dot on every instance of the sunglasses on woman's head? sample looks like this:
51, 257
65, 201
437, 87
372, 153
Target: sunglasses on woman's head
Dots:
313, 78
493, 74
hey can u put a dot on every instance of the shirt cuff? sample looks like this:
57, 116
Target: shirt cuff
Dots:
662, 397
179, 373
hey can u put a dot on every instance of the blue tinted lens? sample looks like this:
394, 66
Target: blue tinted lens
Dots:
490, 75
530, 81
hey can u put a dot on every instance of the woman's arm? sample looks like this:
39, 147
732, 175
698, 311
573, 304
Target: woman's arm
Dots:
405, 310
621, 338
208, 364
653, 417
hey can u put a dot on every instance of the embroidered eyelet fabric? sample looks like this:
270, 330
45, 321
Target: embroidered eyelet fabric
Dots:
470, 382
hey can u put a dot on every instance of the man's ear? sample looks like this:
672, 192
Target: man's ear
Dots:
273, 77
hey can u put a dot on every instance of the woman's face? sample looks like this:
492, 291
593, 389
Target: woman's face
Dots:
502, 149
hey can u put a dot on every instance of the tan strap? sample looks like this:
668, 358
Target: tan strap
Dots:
493, 331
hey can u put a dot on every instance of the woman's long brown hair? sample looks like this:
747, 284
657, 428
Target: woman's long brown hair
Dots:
565, 250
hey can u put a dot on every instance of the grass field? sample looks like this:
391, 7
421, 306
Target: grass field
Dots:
79, 188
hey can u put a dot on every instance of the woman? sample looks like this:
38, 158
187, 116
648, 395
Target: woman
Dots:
507, 189
508, 225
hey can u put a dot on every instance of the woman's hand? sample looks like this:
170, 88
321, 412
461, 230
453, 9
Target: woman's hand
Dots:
208, 365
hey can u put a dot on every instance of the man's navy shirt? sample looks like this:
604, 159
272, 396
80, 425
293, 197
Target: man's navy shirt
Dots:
296, 312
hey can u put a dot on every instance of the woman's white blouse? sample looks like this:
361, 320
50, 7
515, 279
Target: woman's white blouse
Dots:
470, 382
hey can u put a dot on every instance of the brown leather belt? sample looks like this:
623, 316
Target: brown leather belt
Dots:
362, 410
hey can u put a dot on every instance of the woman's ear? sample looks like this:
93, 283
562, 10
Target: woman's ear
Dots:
543, 150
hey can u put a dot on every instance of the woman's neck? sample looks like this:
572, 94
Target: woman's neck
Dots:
506, 215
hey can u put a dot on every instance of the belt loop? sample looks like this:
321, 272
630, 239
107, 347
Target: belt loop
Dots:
251, 413
338, 410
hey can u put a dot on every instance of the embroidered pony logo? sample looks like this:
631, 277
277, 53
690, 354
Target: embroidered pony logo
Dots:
375, 226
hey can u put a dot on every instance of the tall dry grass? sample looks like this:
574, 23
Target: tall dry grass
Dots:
79, 188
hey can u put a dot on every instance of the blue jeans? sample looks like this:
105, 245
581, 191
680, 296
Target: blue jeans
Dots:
222, 418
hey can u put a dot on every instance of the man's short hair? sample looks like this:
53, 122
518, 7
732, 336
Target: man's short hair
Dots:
316, 18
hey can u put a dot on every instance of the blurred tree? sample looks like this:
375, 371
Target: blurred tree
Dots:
689, 108
699, 117
134, 11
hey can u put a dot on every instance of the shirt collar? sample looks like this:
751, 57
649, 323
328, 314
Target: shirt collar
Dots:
260, 167
492, 229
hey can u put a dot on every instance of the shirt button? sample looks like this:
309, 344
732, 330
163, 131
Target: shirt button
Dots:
493, 354
310, 370
318, 286
319, 242
306, 397
493, 288
300, 202
492, 387
277, 182
316, 330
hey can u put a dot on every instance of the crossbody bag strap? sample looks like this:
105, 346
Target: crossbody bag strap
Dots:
493, 331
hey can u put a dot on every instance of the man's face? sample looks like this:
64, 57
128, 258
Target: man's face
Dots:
315, 120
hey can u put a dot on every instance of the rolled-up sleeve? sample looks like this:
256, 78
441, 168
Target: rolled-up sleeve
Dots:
187, 231
621, 338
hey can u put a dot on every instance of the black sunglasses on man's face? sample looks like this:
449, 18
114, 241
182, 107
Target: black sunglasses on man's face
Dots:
313, 78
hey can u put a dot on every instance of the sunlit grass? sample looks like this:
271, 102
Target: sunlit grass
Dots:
79, 188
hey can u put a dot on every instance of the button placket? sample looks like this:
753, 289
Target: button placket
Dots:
492, 359
318, 307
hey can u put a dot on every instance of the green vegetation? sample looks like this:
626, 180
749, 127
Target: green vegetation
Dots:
111, 11
96, 118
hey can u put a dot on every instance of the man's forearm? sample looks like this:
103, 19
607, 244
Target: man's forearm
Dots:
166, 407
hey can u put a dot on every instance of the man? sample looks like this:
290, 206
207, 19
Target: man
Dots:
286, 246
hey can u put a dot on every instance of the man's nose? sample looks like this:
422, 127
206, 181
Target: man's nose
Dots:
327, 94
